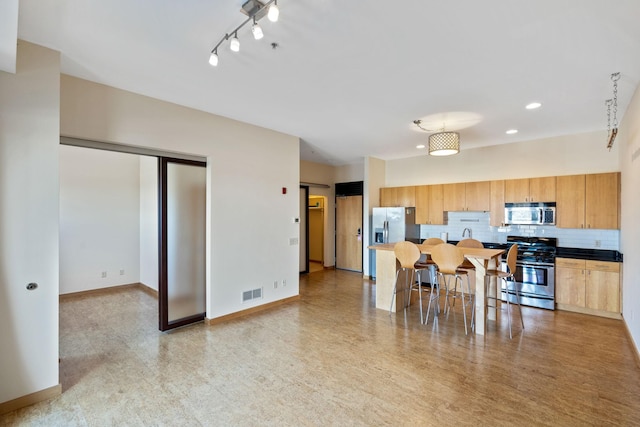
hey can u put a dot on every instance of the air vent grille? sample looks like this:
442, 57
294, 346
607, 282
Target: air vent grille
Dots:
251, 294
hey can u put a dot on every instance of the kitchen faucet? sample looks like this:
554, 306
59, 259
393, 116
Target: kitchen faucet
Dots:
465, 231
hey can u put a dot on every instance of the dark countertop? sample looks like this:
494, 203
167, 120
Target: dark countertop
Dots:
589, 254
577, 253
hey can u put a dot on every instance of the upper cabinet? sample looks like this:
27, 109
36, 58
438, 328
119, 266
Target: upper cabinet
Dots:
429, 204
588, 201
496, 213
529, 190
469, 196
398, 196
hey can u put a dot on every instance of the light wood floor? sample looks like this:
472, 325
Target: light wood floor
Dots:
333, 359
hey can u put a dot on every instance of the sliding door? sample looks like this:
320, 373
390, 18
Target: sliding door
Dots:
182, 188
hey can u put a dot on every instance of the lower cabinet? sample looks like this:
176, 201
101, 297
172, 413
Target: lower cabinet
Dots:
586, 286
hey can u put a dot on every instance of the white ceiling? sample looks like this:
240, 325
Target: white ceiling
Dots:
349, 78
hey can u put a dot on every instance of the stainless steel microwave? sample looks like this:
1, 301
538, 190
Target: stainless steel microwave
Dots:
530, 213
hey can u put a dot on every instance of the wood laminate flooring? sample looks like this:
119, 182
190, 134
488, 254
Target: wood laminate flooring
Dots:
332, 358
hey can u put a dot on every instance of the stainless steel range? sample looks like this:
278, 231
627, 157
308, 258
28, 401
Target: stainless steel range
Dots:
535, 274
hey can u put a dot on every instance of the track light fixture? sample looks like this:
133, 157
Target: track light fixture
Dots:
255, 10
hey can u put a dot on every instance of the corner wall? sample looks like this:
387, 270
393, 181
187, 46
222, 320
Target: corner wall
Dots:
29, 137
99, 219
628, 140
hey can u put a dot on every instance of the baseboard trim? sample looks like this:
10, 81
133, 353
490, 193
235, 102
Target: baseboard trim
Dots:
636, 351
250, 311
592, 312
110, 289
30, 399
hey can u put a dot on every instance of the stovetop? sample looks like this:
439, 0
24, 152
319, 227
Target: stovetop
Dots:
535, 249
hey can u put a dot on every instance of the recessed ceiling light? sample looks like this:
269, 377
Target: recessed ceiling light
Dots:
533, 106
420, 146
512, 131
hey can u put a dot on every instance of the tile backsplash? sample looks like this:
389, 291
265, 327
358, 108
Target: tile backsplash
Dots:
478, 222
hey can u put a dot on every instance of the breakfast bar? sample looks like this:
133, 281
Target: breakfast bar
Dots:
482, 259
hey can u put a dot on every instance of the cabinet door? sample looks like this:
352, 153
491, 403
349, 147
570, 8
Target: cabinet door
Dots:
570, 205
602, 200
516, 190
542, 189
406, 196
496, 213
454, 197
436, 204
388, 196
478, 196
603, 290
422, 204
570, 286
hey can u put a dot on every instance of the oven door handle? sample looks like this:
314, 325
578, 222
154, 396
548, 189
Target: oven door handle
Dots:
534, 264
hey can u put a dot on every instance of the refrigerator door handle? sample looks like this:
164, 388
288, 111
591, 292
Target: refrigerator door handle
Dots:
386, 232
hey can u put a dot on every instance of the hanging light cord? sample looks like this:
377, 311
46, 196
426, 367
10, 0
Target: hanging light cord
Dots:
419, 124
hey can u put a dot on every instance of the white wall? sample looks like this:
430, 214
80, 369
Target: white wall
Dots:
565, 155
629, 142
29, 136
149, 221
99, 219
250, 221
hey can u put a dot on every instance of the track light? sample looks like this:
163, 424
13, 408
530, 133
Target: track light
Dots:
234, 44
256, 30
274, 12
213, 59
255, 10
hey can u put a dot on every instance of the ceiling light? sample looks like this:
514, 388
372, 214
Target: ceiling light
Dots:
274, 12
441, 143
511, 131
234, 44
444, 143
256, 30
213, 59
420, 146
255, 10
533, 106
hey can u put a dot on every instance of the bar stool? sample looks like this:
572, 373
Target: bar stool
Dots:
448, 257
428, 264
407, 254
507, 277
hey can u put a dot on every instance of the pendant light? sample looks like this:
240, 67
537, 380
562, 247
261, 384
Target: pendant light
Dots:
274, 12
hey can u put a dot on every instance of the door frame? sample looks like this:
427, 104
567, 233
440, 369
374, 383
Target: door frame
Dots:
345, 189
305, 217
163, 247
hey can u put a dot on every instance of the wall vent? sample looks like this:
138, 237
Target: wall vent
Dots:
251, 294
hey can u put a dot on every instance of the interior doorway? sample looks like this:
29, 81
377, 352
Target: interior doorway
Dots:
316, 232
349, 214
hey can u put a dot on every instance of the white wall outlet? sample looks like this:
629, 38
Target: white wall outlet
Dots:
122, 272
284, 283
598, 243
293, 241
103, 274
275, 284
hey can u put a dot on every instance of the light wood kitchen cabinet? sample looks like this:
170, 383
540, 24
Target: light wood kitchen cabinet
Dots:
602, 201
429, 204
478, 196
588, 201
467, 196
398, 196
587, 286
529, 190
454, 197
496, 211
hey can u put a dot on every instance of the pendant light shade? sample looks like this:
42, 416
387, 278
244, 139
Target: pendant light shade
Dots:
234, 44
274, 12
444, 143
257, 31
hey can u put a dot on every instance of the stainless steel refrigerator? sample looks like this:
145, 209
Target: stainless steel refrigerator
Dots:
391, 225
